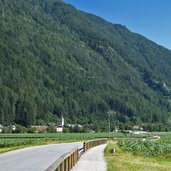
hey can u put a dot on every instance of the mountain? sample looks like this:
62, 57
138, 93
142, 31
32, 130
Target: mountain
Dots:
55, 59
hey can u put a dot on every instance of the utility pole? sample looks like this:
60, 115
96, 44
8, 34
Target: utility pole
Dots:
109, 124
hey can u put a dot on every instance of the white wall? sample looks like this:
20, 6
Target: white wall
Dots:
59, 129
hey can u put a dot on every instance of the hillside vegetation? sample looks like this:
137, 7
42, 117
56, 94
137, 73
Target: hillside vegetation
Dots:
55, 59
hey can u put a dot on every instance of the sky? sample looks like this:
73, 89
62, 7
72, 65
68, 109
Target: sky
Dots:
150, 18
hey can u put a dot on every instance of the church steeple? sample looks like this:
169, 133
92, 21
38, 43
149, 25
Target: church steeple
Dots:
62, 120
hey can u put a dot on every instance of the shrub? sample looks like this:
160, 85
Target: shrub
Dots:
51, 129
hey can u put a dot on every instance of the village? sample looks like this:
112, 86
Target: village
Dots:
61, 127
51, 127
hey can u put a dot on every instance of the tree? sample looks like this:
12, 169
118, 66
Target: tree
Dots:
51, 129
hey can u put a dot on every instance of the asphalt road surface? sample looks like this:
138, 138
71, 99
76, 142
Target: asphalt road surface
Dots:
35, 158
92, 160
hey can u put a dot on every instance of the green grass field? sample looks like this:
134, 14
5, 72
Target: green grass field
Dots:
133, 155
15, 141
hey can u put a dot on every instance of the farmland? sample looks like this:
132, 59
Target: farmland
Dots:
147, 148
14, 141
138, 155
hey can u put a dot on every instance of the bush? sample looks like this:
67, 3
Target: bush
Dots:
20, 129
66, 130
6, 130
31, 130
51, 129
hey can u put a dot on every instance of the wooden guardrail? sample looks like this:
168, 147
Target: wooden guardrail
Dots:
68, 160
65, 162
93, 143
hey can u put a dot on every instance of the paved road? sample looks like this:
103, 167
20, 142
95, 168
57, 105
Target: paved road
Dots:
92, 160
34, 158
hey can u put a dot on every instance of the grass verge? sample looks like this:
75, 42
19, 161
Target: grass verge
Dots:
121, 161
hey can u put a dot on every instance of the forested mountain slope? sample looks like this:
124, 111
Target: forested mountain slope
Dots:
55, 59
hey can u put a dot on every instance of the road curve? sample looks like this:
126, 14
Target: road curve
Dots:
36, 158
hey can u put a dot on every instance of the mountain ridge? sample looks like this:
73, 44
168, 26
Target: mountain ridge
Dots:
56, 59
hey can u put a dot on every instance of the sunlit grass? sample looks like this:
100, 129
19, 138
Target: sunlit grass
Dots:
126, 161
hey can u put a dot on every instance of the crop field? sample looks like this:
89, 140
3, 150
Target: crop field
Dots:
147, 148
14, 141
138, 155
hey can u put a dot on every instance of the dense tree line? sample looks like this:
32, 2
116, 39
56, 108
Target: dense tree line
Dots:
57, 60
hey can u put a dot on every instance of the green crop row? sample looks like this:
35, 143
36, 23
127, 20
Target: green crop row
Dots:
17, 142
10, 140
71, 135
148, 148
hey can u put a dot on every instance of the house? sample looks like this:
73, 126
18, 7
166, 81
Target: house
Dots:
71, 125
13, 127
40, 128
59, 129
140, 133
137, 127
1, 127
74, 125
116, 128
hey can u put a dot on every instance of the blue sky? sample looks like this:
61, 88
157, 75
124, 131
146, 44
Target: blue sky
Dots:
151, 18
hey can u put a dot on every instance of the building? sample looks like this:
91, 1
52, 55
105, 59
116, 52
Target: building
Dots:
59, 129
61, 122
59, 126
140, 133
74, 125
40, 128
116, 128
137, 127
13, 127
